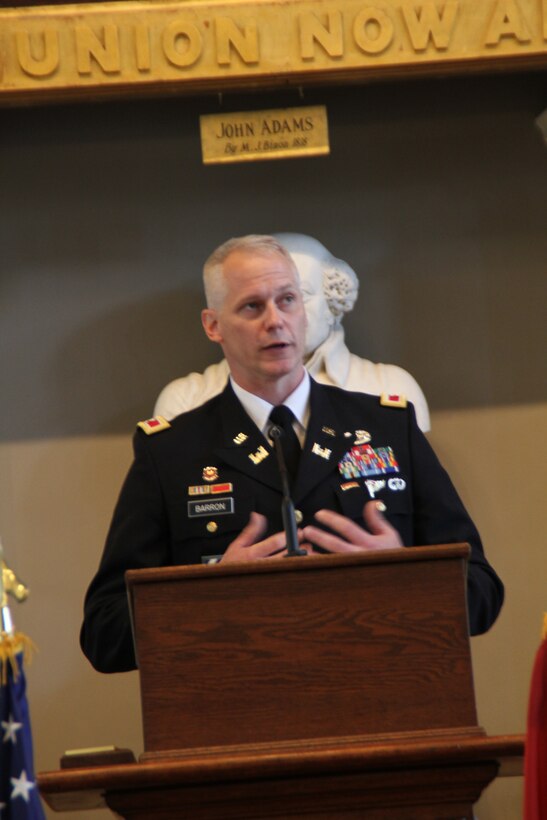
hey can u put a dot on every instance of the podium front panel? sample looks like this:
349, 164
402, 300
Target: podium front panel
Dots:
303, 648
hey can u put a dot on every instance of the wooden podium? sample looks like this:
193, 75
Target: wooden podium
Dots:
318, 687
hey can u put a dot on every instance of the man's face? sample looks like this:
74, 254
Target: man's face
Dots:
261, 324
319, 316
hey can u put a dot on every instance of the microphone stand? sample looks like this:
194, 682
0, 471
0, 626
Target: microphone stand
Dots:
287, 506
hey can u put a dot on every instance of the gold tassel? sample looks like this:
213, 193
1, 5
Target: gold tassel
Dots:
10, 647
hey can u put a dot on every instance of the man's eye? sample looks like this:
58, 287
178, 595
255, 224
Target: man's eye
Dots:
288, 299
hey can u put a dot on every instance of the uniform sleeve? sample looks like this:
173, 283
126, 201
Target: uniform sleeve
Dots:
138, 537
441, 518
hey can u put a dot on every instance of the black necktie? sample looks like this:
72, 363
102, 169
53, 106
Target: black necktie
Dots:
283, 417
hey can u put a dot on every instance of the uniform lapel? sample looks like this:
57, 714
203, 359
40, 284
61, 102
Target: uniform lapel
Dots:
324, 446
244, 447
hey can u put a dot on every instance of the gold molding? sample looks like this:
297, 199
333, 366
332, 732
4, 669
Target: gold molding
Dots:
89, 51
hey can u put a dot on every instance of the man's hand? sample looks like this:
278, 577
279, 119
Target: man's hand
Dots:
382, 535
248, 547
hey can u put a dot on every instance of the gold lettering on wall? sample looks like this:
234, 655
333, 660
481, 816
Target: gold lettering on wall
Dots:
426, 22
182, 44
43, 59
507, 21
78, 49
105, 51
230, 38
142, 48
329, 36
373, 30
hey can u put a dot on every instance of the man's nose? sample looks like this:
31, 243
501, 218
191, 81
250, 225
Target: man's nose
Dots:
272, 316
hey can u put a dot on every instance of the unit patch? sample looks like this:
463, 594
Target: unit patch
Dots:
221, 506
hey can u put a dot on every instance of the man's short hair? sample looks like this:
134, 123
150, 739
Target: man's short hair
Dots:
213, 270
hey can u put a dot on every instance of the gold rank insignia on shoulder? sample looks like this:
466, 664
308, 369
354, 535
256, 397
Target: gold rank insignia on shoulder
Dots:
154, 425
393, 400
240, 438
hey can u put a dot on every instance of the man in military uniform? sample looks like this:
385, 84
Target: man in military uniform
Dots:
206, 487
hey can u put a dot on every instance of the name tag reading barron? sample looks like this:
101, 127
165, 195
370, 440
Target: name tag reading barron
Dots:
247, 136
222, 506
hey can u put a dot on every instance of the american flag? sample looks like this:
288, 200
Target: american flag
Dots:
19, 798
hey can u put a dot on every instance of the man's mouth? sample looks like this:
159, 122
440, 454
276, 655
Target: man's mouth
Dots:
277, 346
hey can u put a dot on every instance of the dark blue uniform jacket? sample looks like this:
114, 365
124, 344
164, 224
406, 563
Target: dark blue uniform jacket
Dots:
165, 517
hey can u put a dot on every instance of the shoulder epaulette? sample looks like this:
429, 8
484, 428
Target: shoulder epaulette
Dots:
154, 425
393, 400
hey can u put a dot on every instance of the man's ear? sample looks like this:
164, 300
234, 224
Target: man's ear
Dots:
209, 320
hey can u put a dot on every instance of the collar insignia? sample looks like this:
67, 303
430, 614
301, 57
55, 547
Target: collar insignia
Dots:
324, 452
259, 456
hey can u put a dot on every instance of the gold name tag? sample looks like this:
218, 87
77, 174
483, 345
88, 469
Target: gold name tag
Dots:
247, 136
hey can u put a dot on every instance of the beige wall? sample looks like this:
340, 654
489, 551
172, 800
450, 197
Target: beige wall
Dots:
434, 192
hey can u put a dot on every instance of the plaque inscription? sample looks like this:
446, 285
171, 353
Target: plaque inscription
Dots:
275, 134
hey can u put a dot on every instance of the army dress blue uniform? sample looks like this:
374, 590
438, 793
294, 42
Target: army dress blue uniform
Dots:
192, 487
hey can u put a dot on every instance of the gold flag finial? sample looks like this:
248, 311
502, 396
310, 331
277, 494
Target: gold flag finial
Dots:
10, 584
11, 642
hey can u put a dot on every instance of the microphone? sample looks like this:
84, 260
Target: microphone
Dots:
287, 506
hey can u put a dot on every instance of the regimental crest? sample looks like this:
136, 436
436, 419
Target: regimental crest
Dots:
210, 473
